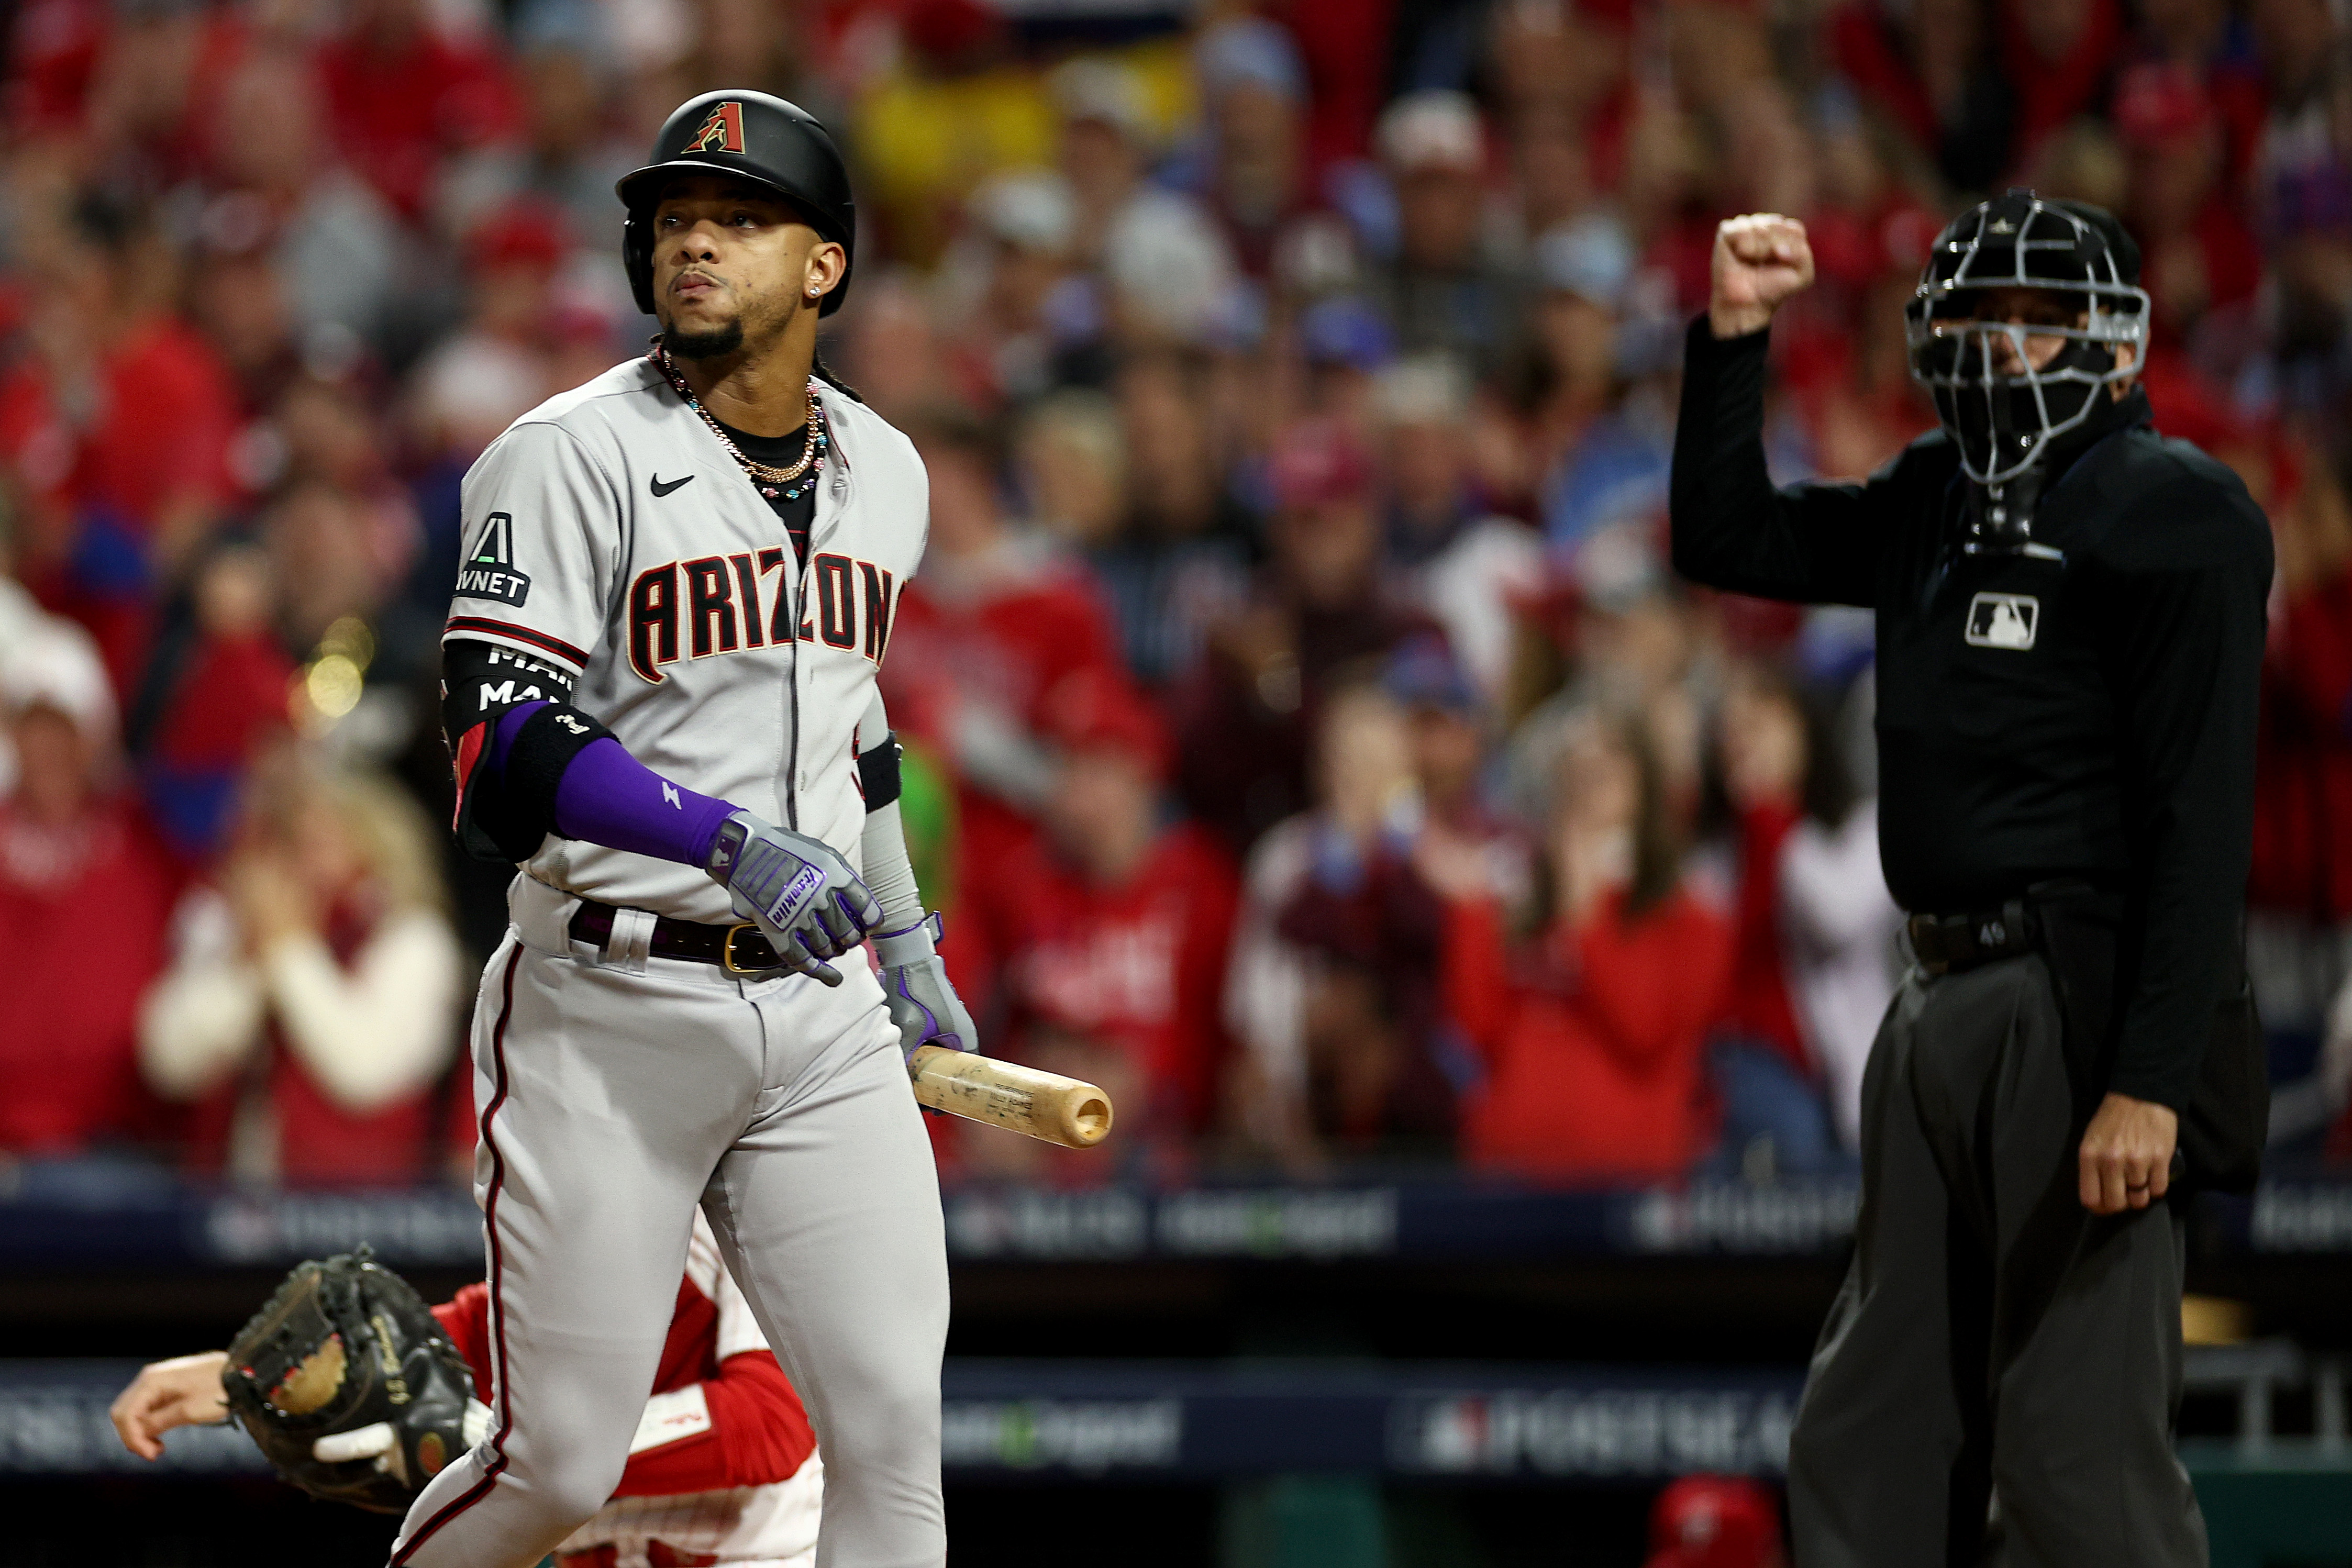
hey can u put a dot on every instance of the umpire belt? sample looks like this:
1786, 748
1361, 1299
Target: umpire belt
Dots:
1951, 944
738, 948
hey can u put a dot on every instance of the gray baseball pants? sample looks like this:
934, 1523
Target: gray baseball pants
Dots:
614, 1092
1992, 1335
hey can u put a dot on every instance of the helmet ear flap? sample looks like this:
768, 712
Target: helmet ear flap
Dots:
637, 257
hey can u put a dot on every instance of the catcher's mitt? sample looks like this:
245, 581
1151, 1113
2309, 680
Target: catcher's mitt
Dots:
346, 1381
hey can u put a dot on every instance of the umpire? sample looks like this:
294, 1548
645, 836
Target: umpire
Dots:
2070, 629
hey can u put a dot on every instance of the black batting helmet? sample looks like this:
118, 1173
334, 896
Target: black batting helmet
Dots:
2003, 419
757, 138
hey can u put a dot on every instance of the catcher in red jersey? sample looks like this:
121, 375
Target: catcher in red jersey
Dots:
723, 1467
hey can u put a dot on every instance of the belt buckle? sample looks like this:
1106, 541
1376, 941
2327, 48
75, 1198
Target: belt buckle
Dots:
727, 951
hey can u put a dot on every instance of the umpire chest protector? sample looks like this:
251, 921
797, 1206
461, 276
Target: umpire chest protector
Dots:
753, 137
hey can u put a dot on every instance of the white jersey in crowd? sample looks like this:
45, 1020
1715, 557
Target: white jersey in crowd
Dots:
771, 1526
1839, 924
688, 627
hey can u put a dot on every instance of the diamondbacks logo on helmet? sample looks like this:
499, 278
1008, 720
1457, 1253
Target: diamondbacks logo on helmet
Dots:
722, 132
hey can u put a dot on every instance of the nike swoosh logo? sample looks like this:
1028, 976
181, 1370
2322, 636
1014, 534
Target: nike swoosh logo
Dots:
662, 489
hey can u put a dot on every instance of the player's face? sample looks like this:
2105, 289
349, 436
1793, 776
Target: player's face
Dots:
733, 265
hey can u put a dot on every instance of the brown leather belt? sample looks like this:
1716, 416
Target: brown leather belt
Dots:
738, 948
1953, 944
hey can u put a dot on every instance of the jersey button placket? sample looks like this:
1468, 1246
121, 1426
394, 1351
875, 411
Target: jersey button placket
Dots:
823, 521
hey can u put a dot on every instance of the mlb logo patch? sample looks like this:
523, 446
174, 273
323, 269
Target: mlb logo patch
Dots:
2003, 620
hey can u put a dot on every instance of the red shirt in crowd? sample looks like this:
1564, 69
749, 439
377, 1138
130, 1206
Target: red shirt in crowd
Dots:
2050, 92
1594, 1051
53, 50
84, 909
158, 437
401, 108
229, 697
320, 1142
59, 50
1007, 642
2303, 773
1138, 968
166, 413
1756, 1006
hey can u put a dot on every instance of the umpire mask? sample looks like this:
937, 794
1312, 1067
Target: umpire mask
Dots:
2005, 413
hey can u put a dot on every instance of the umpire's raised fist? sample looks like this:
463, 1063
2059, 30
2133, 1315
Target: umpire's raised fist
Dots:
1761, 259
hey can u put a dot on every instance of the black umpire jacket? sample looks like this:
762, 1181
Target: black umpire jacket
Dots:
2083, 711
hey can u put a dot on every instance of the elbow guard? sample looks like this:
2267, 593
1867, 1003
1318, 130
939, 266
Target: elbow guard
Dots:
503, 811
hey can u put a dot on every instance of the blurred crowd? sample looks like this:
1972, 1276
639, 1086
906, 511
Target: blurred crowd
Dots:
1308, 738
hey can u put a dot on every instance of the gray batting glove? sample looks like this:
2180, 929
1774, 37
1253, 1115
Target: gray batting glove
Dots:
798, 891
923, 1002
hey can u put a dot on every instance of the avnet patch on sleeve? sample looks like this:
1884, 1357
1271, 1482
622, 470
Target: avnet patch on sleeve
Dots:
489, 572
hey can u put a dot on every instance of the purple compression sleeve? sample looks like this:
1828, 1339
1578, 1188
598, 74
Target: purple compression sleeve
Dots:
607, 796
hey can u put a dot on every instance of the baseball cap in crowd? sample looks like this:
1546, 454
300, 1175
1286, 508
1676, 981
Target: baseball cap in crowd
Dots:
1426, 389
1103, 91
1436, 130
1423, 674
1029, 209
1098, 710
1249, 51
1317, 464
1616, 564
1346, 332
1590, 256
1173, 270
1714, 1522
55, 664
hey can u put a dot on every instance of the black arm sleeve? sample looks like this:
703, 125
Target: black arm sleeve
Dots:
1814, 544
503, 814
2184, 655
877, 773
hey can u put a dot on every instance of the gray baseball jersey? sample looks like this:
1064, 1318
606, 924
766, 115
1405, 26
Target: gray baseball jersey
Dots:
612, 536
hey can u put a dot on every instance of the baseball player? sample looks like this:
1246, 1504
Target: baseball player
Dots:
722, 1466
659, 690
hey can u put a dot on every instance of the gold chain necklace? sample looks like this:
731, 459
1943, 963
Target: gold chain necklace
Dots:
811, 458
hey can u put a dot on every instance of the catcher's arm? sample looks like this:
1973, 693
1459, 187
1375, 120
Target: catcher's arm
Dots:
185, 1391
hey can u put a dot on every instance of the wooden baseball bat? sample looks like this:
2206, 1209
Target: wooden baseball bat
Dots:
1006, 1094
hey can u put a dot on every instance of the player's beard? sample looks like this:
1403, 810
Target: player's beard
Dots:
716, 344
766, 326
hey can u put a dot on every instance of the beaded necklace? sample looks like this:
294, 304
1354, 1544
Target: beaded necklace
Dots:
770, 480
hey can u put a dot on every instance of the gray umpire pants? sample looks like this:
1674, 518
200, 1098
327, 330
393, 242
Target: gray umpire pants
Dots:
1992, 1336
616, 1093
